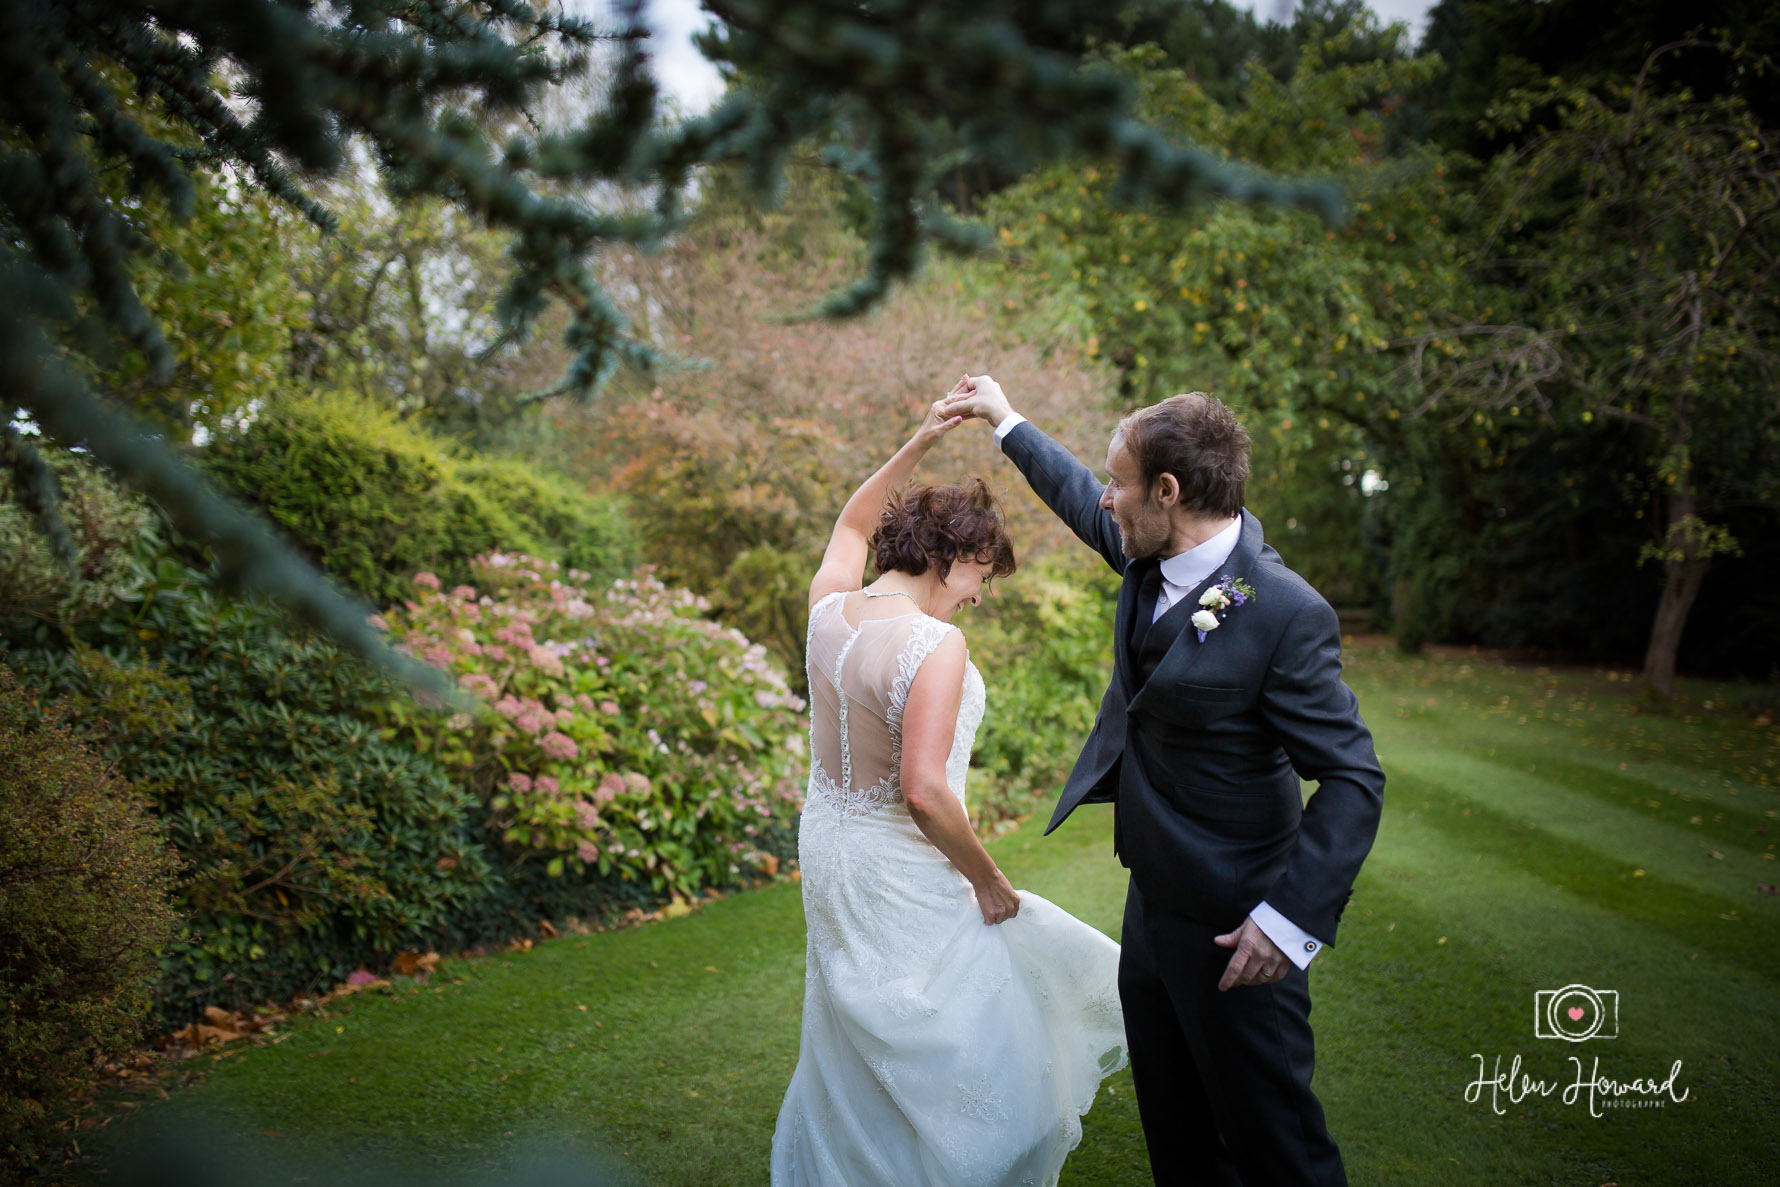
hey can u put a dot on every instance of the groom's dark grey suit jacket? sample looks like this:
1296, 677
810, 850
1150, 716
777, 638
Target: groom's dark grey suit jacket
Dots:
1202, 744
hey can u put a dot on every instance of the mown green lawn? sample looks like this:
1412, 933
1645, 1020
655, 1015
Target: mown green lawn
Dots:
1538, 833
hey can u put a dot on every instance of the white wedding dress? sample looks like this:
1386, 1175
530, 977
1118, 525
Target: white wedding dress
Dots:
936, 1050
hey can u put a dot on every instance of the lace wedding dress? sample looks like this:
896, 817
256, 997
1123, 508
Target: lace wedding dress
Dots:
936, 1050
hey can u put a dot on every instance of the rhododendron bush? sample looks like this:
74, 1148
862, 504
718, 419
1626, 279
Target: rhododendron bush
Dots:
614, 728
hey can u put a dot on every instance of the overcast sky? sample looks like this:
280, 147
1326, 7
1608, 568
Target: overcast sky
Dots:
695, 84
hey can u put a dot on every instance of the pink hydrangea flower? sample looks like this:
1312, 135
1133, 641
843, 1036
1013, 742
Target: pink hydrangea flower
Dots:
609, 787
560, 746
586, 814
427, 580
464, 592
636, 783
480, 683
376, 623
547, 785
587, 851
610, 708
519, 782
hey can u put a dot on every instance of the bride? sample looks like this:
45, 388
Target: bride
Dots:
954, 1029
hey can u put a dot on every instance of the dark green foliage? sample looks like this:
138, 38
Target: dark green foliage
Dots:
581, 530
311, 844
104, 523
1494, 46
84, 885
418, 83
373, 501
1044, 641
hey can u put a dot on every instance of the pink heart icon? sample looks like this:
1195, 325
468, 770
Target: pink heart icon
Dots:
1576, 1013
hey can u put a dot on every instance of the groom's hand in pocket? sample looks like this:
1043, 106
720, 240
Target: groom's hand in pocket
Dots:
1258, 960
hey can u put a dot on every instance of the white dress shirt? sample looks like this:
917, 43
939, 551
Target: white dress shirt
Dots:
1180, 574
1184, 570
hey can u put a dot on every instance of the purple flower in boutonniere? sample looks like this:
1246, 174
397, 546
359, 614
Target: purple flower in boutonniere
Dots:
1217, 601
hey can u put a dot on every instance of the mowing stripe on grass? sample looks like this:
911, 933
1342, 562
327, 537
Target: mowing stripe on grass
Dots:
676, 1066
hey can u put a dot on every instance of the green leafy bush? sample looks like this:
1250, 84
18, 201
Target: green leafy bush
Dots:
373, 500
105, 522
1043, 643
312, 844
619, 731
84, 885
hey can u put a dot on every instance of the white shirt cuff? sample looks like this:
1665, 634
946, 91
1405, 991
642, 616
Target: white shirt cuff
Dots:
1298, 945
1008, 424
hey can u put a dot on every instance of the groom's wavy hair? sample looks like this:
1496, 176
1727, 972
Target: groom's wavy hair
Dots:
1196, 438
934, 527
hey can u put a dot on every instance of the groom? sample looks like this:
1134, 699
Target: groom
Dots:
1226, 691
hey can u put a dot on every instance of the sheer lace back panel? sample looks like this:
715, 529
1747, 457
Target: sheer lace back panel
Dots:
864, 650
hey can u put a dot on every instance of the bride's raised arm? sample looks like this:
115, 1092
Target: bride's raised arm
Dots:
843, 563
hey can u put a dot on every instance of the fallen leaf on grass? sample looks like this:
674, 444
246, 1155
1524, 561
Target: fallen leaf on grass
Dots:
1767, 888
199, 1034
416, 964
769, 865
548, 928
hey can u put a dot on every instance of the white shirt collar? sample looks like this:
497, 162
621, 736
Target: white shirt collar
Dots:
1187, 569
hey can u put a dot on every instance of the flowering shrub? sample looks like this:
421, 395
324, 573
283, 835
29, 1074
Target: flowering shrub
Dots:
308, 845
616, 729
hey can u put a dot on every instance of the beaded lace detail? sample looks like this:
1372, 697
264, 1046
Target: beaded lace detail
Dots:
915, 636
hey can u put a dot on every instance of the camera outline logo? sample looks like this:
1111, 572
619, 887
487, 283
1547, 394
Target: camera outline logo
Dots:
1576, 1013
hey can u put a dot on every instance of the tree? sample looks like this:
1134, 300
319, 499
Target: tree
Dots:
1289, 319
276, 91
1643, 234
736, 468
1494, 47
404, 310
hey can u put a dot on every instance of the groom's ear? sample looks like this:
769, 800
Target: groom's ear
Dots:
1167, 489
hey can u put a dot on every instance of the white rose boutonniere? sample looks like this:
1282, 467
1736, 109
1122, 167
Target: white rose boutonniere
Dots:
1220, 597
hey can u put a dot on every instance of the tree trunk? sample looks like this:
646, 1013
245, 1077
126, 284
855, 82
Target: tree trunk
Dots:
1684, 568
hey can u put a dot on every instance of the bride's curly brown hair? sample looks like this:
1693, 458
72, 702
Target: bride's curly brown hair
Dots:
937, 526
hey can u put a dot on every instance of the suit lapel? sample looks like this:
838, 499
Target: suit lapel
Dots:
1126, 619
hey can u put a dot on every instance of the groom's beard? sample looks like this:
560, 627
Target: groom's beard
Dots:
1143, 538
